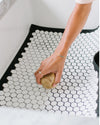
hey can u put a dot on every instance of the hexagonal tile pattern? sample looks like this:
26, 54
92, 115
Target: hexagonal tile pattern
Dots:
76, 94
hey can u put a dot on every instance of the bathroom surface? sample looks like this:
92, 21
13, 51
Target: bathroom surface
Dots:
22, 48
76, 94
10, 116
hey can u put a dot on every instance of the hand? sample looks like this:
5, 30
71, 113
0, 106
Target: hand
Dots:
52, 64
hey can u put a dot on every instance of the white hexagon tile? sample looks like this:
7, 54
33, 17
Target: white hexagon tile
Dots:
76, 94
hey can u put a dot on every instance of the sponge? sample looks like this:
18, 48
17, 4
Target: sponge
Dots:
48, 80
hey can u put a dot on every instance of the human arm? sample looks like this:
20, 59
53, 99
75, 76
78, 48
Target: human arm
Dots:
55, 63
74, 26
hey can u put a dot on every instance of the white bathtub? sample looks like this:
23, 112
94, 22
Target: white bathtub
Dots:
14, 26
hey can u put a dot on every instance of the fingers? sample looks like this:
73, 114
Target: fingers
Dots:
58, 77
40, 75
39, 69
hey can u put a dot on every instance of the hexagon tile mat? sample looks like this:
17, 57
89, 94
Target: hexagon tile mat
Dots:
76, 94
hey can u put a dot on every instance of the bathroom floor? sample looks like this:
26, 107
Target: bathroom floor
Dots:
76, 94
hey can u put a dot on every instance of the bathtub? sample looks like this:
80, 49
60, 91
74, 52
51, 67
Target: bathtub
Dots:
16, 20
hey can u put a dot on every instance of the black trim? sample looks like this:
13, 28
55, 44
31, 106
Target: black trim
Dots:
96, 68
96, 61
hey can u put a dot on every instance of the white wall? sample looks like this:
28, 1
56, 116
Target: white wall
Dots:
15, 24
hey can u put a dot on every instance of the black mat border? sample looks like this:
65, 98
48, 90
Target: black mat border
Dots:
27, 40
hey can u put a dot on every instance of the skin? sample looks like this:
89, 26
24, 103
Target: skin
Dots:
55, 63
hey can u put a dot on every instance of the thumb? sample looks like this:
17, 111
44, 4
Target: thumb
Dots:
58, 77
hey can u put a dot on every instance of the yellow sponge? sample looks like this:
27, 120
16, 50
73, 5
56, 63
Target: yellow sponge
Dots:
48, 80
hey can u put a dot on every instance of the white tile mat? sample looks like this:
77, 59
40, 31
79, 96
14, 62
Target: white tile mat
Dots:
76, 94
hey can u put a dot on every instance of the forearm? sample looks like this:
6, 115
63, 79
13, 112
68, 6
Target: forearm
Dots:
74, 26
